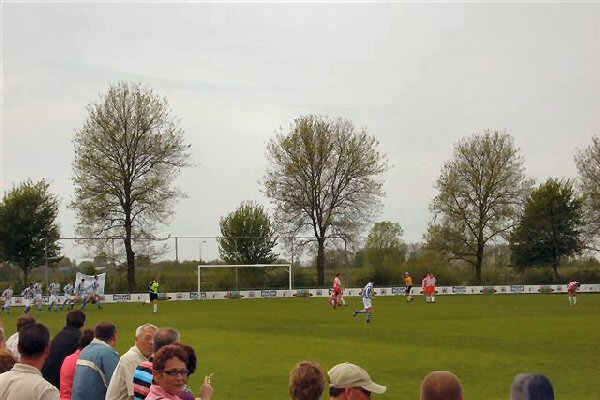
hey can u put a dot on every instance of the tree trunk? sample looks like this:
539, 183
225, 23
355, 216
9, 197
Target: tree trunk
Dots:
130, 256
321, 262
479, 261
25, 275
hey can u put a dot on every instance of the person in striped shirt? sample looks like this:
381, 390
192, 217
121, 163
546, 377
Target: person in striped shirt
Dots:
336, 291
6, 298
69, 291
53, 292
572, 289
28, 295
367, 294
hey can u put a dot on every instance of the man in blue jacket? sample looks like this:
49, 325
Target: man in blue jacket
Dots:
96, 364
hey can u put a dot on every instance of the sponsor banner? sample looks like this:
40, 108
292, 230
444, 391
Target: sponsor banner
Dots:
89, 279
319, 292
459, 289
546, 289
194, 295
268, 293
488, 290
302, 293
398, 290
120, 298
517, 289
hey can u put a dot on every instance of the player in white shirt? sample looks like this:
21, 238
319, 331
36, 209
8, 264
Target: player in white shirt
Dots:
6, 298
53, 293
94, 292
28, 295
367, 294
37, 295
81, 291
69, 291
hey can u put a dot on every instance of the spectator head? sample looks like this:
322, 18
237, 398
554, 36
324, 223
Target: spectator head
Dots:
2, 339
170, 368
165, 336
24, 321
307, 381
144, 338
7, 360
441, 385
76, 319
107, 332
34, 341
349, 381
531, 387
86, 338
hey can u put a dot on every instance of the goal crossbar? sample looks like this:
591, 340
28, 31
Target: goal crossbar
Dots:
287, 268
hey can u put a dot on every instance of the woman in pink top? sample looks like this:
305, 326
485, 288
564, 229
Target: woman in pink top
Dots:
67, 370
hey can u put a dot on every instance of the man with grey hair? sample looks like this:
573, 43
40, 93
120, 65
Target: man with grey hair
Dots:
121, 384
142, 377
531, 387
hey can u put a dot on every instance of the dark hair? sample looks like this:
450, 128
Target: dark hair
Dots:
76, 318
33, 340
86, 338
335, 392
105, 331
531, 387
24, 321
168, 352
307, 381
165, 336
192, 359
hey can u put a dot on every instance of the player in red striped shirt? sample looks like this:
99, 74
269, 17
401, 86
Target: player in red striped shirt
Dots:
428, 285
336, 294
572, 289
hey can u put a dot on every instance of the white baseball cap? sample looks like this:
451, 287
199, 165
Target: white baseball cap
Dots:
347, 375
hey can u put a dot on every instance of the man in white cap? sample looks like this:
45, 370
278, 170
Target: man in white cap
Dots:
350, 382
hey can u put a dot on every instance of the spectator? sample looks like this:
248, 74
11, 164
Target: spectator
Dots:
531, 387
142, 377
441, 385
307, 381
121, 384
64, 343
187, 394
24, 381
350, 382
96, 364
67, 370
23, 321
170, 374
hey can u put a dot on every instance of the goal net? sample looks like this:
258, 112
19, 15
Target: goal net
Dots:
244, 277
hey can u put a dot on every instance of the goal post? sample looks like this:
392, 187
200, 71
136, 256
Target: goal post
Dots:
286, 267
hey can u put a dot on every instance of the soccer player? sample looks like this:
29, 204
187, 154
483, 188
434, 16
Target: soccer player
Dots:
69, 291
336, 291
95, 292
153, 291
572, 289
408, 283
428, 285
81, 291
367, 294
6, 298
53, 292
37, 295
28, 295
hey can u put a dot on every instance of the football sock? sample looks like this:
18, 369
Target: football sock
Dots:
155, 307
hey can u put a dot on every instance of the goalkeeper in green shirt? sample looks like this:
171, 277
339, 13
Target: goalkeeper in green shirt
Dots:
153, 290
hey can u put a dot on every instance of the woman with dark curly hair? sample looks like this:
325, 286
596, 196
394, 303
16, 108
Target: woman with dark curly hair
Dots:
307, 381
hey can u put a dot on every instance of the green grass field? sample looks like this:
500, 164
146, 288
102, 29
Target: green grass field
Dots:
251, 345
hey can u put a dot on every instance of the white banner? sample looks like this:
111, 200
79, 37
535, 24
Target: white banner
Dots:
90, 278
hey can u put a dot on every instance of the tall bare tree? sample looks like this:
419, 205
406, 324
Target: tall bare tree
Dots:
482, 192
127, 156
324, 178
588, 165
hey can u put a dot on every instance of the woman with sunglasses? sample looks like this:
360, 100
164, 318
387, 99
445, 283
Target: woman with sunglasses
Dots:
170, 374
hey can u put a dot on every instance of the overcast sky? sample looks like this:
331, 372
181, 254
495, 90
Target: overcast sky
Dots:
417, 76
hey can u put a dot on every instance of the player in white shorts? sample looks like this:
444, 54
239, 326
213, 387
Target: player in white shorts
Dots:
6, 298
37, 295
69, 291
53, 293
28, 295
367, 294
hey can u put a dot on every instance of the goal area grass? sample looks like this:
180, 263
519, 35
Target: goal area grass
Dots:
251, 345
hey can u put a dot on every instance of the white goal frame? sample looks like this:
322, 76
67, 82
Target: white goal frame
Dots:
286, 267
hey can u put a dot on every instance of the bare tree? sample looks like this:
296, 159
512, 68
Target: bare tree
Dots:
127, 156
588, 165
324, 178
482, 192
